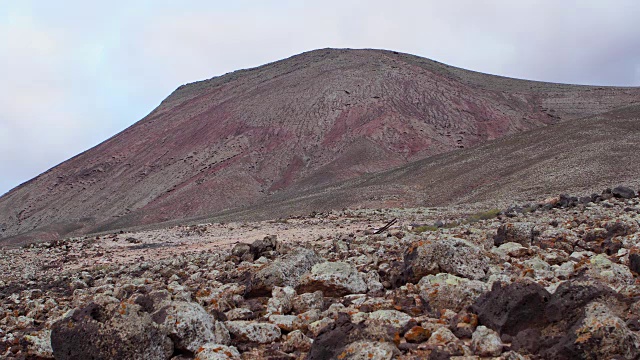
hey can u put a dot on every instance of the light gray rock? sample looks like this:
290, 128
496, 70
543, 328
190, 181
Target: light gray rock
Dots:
486, 342
297, 341
565, 270
39, 344
308, 301
281, 300
333, 279
212, 351
613, 274
285, 271
190, 326
370, 350
317, 326
372, 278
454, 256
442, 336
219, 298
288, 322
394, 318
239, 314
511, 249
262, 333
446, 291
541, 269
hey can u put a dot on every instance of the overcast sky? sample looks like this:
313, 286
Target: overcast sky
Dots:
74, 73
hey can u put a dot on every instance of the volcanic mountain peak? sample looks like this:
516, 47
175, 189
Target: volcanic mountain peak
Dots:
307, 121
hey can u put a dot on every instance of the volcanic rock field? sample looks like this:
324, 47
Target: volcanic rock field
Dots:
552, 279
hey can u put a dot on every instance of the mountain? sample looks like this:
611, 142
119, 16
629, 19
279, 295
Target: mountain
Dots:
321, 120
582, 156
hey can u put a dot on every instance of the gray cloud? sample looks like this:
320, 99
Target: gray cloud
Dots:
75, 73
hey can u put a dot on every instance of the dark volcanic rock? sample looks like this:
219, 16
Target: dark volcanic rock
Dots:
623, 192
512, 308
565, 325
599, 334
527, 341
94, 332
634, 260
264, 246
333, 339
566, 305
332, 342
566, 201
242, 251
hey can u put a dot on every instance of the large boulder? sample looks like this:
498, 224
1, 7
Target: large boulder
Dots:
600, 267
486, 342
285, 271
562, 325
567, 304
623, 192
333, 279
446, 291
599, 335
523, 233
190, 326
512, 308
454, 256
99, 332
332, 340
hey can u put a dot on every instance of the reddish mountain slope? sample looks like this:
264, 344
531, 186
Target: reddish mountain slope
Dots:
303, 122
578, 157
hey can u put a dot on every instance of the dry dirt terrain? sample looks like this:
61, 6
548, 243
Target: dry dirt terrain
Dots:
555, 278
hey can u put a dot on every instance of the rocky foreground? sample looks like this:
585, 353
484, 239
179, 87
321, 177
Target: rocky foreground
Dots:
555, 279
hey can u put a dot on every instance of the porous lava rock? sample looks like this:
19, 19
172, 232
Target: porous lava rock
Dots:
522, 233
452, 255
333, 279
623, 192
512, 308
285, 271
96, 332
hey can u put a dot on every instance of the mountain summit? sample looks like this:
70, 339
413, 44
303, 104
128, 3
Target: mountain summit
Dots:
303, 123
